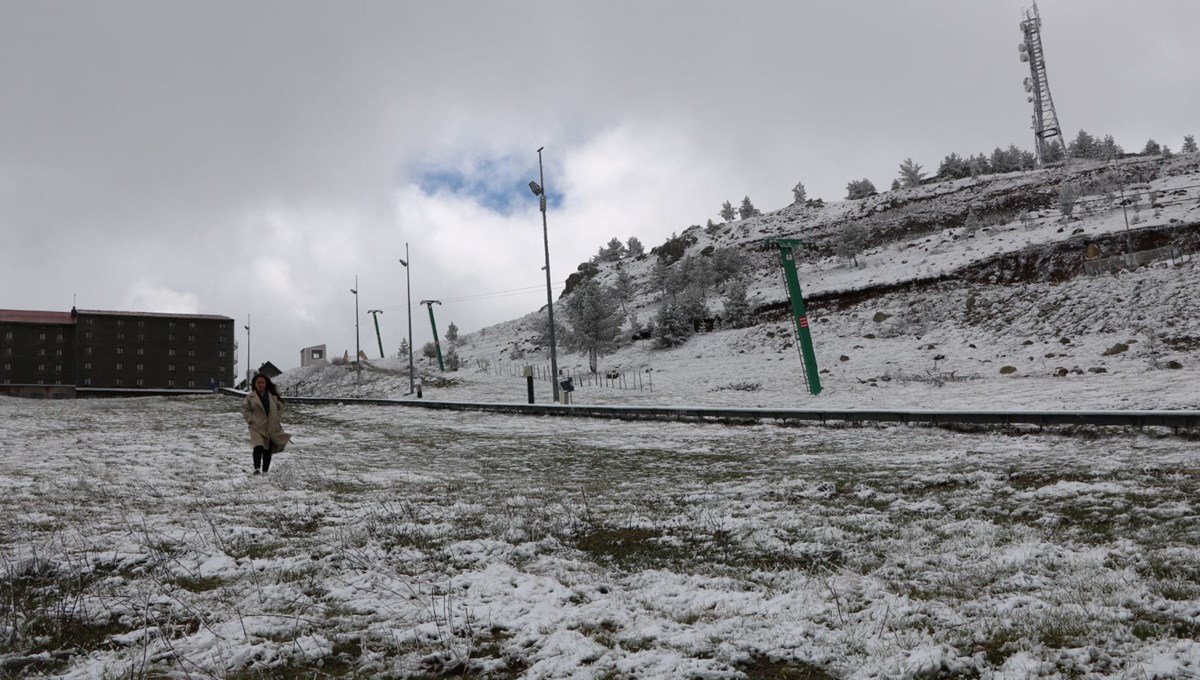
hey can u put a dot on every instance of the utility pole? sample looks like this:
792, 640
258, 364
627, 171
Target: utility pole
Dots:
247, 327
375, 315
539, 190
437, 345
408, 294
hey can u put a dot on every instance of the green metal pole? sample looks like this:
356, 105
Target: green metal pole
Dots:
799, 314
375, 315
436, 343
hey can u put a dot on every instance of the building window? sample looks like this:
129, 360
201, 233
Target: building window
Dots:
171, 337
141, 323
191, 352
221, 339
221, 354
171, 382
87, 350
8, 335
141, 351
171, 352
58, 368
141, 336
60, 337
121, 336
120, 382
191, 324
191, 338
41, 336
318, 354
41, 352
87, 335
191, 383
171, 367
191, 368
140, 366
120, 322
139, 382
7, 366
41, 368
87, 381
87, 365
58, 353
120, 350
120, 366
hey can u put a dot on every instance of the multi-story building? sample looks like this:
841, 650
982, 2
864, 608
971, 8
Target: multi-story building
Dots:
92, 352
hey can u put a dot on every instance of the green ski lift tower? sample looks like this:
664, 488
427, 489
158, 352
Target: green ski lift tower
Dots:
808, 357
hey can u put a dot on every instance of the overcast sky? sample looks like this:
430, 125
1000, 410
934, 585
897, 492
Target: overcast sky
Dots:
252, 158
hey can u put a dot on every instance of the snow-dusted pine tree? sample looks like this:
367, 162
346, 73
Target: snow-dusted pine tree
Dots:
727, 213
910, 173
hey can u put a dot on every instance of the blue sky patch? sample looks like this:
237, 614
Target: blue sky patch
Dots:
500, 184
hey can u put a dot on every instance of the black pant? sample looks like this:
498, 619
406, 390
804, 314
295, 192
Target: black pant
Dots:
262, 458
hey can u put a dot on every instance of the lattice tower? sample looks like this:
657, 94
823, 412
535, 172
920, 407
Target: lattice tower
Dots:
1046, 131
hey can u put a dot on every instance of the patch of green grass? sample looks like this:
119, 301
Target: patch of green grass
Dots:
762, 668
198, 584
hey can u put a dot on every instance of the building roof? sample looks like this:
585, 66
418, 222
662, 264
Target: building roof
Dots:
103, 312
36, 316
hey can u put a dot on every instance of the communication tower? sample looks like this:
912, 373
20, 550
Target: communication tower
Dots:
1046, 132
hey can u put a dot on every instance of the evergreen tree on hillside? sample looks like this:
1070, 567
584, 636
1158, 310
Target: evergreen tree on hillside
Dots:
623, 289
850, 242
671, 326
799, 193
748, 210
1109, 149
595, 319
978, 165
1084, 146
612, 252
634, 247
1152, 148
1052, 153
1189, 144
737, 305
728, 263
954, 167
403, 354
910, 173
727, 213
452, 333
860, 188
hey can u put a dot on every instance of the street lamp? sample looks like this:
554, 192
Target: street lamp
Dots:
357, 349
408, 294
539, 190
247, 327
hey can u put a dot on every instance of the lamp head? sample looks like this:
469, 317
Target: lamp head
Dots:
354, 290
403, 263
535, 188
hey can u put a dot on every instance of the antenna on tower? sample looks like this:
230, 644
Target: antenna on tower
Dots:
1047, 133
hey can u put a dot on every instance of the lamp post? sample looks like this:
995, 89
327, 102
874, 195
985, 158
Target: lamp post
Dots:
247, 327
437, 345
539, 190
408, 295
357, 349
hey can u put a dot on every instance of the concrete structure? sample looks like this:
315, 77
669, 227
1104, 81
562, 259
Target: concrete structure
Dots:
311, 356
95, 352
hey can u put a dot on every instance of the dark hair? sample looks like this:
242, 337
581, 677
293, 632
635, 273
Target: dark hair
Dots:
270, 385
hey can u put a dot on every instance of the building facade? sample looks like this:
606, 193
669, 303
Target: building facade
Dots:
93, 352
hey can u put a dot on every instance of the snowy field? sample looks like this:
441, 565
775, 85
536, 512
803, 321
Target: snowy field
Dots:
397, 542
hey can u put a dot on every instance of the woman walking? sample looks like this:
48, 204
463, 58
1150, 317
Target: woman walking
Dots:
262, 409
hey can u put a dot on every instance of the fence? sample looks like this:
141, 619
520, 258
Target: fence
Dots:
581, 377
1109, 265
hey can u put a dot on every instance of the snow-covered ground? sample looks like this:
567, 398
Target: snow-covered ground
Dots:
398, 542
401, 542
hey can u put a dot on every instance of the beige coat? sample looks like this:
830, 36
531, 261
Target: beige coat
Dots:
265, 428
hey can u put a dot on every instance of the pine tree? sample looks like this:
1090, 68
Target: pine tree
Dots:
737, 305
403, 354
623, 289
452, 333
911, 174
1084, 146
634, 247
860, 188
1152, 148
954, 167
850, 242
727, 213
671, 327
1109, 149
1189, 144
799, 193
747, 210
595, 319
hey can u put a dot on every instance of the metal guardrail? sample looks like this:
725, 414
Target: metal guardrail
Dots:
1173, 419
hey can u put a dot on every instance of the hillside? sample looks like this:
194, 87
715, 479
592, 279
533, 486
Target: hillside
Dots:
967, 294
